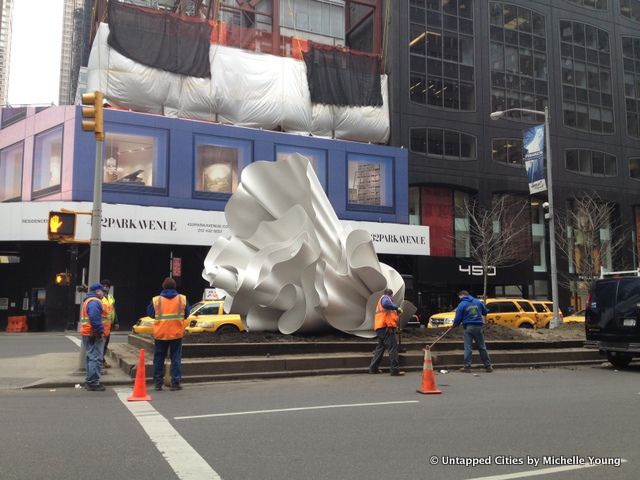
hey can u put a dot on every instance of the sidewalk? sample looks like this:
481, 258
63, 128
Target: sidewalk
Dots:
50, 370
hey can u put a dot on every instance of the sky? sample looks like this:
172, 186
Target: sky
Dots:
36, 39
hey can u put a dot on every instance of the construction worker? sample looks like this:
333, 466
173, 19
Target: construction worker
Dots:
111, 320
92, 317
169, 310
386, 323
470, 313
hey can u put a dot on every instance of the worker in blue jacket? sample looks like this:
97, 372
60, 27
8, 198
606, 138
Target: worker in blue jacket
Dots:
470, 313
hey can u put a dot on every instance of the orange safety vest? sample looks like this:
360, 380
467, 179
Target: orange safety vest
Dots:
168, 324
385, 318
85, 323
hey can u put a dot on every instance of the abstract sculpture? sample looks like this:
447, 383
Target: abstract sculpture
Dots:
290, 265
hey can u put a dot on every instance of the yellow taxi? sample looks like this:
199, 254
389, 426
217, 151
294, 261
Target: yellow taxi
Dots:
544, 309
577, 317
510, 312
210, 317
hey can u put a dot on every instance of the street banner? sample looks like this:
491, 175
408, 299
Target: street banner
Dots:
533, 146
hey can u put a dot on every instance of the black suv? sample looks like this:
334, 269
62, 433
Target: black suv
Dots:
612, 319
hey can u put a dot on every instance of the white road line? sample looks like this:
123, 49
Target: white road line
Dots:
298, 409
182, 458
75, 340
535, 473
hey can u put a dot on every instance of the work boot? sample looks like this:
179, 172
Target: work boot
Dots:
158, 387
397, 373
95, 387
465, 370
489, 369
175, 387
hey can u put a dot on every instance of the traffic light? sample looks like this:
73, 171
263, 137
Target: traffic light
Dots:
61, 226
92, 114
63, 279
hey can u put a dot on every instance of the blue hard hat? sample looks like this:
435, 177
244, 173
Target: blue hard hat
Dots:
97, 286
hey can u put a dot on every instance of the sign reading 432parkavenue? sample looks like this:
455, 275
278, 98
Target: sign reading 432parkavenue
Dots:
61, 226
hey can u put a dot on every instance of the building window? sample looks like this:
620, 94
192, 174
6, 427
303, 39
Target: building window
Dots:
441, 54
518, 54
135, 158
218, 163
10, 115
461, 224
591, 163
634, 168
316, 156
320, 17
440, 143
586, 77
631, 62
370, 180
594, 4
507, 150
47, 162
630, 9
414, 205
11, 172
538, 237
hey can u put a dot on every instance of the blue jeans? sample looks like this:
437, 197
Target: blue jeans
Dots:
471, 333
160, 353
93, 359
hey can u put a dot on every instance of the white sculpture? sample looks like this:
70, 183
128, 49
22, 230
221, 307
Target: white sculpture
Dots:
290, 265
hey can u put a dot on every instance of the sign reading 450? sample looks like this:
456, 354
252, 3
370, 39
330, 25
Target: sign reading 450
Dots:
477, 270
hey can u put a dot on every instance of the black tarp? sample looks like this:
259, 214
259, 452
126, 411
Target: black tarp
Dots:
160, 40
341, 78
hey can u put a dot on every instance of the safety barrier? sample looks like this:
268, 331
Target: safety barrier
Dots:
17, 324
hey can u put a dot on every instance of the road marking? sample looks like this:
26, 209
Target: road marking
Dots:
75, 340
182, 458
535, 473
297, 409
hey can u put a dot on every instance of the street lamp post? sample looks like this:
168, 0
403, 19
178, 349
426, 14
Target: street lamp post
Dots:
555, 321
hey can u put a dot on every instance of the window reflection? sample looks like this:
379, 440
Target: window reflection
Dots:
11, 172
47, 162
507, 150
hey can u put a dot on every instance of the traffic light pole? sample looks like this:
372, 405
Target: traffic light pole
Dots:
96, 219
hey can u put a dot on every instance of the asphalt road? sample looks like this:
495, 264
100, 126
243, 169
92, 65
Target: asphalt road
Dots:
343, 427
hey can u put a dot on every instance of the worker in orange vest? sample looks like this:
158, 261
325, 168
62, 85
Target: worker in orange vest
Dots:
93, 314
169, 309
386, 323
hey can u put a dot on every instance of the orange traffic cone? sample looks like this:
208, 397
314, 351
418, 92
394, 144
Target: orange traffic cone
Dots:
140, 387
428, 379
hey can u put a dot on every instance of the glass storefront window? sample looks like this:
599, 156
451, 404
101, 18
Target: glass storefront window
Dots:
218, 163
317, 157
11, 172
47, 161
135, 157
370, 180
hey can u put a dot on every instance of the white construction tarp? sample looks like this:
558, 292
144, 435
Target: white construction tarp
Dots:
246, 89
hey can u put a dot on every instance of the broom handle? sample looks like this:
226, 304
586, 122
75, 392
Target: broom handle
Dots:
439, 338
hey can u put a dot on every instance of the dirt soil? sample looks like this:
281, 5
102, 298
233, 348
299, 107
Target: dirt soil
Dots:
572, 331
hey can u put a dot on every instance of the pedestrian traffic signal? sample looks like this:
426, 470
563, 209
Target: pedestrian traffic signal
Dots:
92, 114
63, 279
61, 226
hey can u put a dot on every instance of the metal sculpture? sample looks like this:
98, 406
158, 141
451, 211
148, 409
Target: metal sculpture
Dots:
290, 265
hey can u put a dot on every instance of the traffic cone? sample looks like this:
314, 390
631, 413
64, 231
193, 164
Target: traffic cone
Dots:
428, 379
140, 387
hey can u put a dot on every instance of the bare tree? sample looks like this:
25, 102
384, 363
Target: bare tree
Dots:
590, 240
500, 236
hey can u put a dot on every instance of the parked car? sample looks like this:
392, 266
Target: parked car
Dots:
577, 317
510, 312
210, 317
612, 319
544, 309
144, 326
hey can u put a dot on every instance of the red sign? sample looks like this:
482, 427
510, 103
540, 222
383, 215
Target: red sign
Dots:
176, 267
